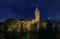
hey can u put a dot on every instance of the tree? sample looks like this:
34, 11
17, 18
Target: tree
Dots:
34, 33
9, 21
6, 26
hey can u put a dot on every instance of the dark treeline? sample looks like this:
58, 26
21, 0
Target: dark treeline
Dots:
48, 33
44, 33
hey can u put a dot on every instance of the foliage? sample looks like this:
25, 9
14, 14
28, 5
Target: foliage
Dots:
9, 21
56, 22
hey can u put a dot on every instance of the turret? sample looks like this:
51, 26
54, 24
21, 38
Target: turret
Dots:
37, 14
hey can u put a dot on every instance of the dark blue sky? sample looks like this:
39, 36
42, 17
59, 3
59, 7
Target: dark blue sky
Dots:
26, 8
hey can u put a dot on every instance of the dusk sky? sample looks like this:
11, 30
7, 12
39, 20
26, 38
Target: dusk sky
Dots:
25, 9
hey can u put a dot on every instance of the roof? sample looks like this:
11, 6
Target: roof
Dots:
24, 19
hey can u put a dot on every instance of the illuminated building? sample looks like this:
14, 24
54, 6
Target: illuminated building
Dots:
26, 23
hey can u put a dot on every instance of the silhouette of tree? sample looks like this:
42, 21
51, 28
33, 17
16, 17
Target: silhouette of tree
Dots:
50, 31
49, 25
34, 33
6, 26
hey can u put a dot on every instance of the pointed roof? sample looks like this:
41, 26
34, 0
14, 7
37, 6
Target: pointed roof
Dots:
37, 8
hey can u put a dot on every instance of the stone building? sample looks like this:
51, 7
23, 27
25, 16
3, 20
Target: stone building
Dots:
26, 23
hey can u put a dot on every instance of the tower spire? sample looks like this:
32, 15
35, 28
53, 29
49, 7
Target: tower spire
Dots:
37, 6
37, 13
36, 3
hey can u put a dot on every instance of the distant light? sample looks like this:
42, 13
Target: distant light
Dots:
48, 18
17, 19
